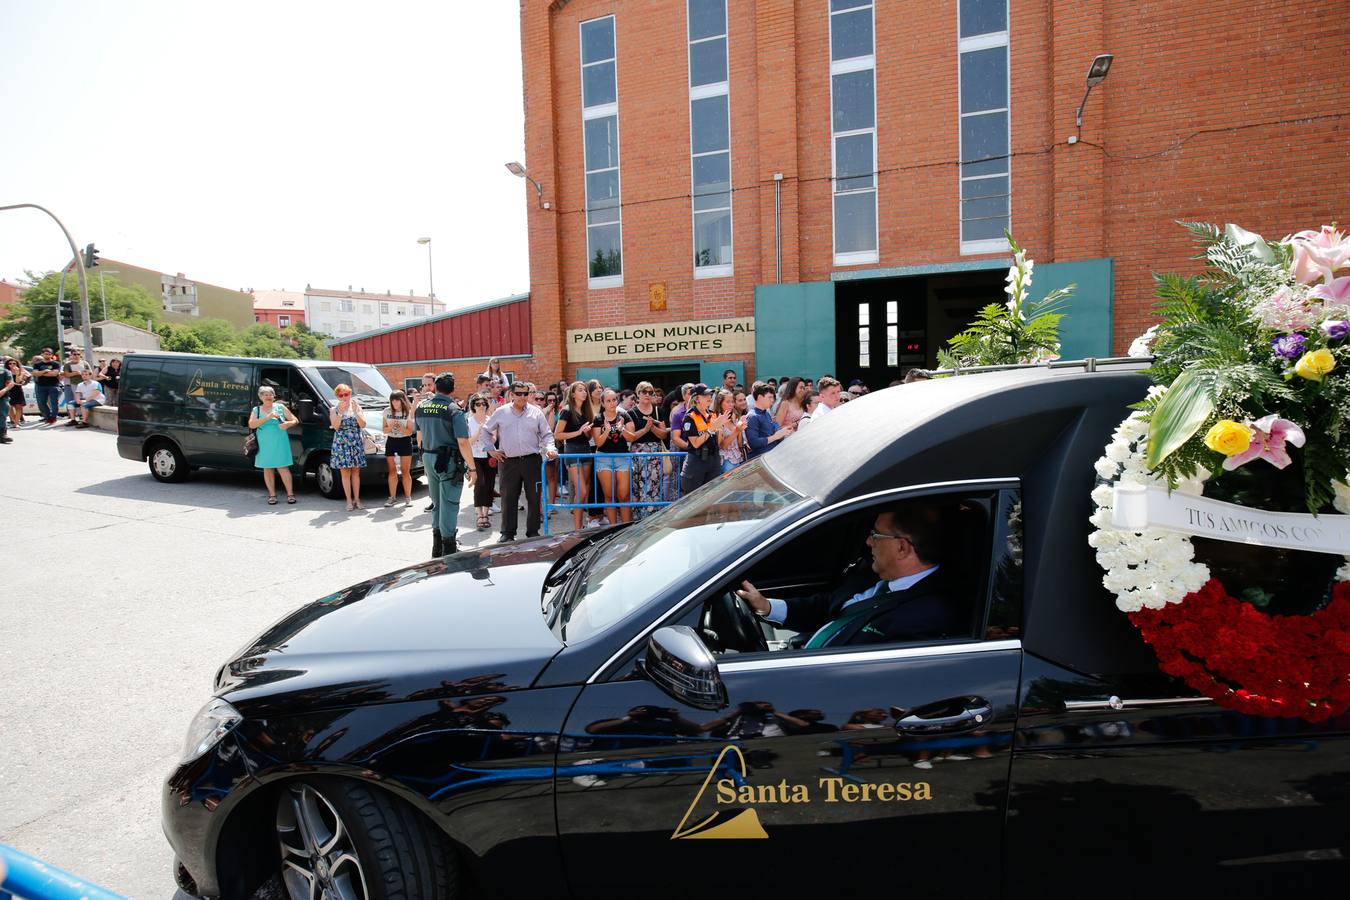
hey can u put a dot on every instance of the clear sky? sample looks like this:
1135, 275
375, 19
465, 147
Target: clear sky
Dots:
268, 144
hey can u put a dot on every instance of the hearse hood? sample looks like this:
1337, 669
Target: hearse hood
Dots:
464, 624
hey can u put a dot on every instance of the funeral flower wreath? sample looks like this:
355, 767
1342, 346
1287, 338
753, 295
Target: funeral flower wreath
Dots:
1250, 365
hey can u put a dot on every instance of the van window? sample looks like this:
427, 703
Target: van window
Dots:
367, 382
140, 381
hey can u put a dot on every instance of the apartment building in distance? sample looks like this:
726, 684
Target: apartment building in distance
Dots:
280, 308
183, 299
345, 313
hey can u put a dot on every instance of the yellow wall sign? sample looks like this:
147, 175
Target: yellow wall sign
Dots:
662, 339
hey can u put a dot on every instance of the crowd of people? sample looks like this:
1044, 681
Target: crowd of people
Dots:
614, 454
71, 387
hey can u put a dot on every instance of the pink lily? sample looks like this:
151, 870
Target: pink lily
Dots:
1268, 443
1318, 254
1336, 291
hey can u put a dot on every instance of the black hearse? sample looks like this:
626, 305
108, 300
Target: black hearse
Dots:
181, 411
599, 713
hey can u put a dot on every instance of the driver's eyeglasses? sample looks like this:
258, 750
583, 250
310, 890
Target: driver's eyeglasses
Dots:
883, 536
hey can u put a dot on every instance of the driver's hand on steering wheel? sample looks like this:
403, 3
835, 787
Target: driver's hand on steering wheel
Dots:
751, 595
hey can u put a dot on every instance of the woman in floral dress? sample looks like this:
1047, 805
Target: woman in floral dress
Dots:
646, 433
349, 448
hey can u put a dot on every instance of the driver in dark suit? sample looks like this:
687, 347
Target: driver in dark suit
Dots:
904, 598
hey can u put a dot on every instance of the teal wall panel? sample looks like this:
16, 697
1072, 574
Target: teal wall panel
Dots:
1086, 329
794, 329
606, 376
711, 372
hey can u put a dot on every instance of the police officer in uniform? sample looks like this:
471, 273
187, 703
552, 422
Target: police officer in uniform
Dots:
703, 463
443, 433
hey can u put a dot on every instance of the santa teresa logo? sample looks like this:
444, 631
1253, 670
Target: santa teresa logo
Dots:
197, 387
721, 824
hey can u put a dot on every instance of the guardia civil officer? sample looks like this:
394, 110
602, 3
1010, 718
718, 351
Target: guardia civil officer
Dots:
702, 463
443, 433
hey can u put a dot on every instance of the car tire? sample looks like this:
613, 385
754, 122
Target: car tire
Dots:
327, 480
359, 843
166, 462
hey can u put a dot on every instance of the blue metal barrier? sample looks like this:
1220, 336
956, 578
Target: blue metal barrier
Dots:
670, 481
32, 879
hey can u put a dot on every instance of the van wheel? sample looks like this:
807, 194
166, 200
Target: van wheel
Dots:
326, 477
166, 462
343, 840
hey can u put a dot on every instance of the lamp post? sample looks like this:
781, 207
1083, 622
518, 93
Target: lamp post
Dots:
102, 292
431, 279
1097, 73
78, 264
518, 170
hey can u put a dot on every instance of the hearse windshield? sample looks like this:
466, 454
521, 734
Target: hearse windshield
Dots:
367, 383
636, 564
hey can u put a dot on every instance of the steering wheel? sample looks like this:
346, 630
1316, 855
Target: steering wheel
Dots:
736, 624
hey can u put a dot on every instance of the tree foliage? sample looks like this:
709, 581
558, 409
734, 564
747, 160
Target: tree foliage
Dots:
30, 324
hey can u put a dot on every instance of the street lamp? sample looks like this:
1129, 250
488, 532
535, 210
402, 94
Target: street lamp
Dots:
101, 291
518, 170
431, 279
1097, 73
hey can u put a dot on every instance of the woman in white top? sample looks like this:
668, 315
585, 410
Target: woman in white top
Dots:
398, 449
485, 467
494, 371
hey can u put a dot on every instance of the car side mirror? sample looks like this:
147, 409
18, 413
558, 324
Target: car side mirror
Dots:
680, 664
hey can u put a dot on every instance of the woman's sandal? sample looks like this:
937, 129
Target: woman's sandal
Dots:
290, 498
484, 523
272, 501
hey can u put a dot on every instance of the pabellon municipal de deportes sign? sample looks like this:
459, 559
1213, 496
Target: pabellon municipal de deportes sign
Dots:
660, 340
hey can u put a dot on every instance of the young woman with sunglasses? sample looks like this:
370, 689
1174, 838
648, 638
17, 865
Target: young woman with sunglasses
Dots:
485, 469
613, 474
647, 433
349, 449
398, 449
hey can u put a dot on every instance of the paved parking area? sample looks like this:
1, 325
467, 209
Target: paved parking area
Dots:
121, 596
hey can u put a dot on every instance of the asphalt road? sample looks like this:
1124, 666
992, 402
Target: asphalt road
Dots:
121, 597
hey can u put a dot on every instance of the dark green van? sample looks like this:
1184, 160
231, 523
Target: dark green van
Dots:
181, 411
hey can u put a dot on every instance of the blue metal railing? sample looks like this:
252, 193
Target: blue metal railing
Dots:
637, 462
32, 879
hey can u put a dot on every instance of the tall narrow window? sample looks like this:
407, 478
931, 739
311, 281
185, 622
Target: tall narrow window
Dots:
600, 128
853, 111
864, 336
710, 137
986, 180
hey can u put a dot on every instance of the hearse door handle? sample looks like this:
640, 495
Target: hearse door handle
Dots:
970, 714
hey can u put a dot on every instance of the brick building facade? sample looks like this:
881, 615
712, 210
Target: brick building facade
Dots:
838, 172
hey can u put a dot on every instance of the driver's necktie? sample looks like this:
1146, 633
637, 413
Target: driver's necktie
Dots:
830, 631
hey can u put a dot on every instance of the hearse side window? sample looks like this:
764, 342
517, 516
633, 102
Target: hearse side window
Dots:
173, 380
942, 568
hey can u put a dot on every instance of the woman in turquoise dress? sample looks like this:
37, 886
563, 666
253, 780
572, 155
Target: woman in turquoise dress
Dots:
274, 444
349, 446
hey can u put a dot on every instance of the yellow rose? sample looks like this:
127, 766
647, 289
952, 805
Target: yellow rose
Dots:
1228, 437
1315, 364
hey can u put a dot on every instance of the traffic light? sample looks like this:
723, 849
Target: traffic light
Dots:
66, 347
90, 256
67, 313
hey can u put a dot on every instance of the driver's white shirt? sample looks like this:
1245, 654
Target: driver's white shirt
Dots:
778, 608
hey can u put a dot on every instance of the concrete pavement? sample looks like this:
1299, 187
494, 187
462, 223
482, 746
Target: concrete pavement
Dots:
121, 596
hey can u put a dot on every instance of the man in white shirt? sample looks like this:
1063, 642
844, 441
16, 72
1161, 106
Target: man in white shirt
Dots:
88, 396
829, 397
908, 602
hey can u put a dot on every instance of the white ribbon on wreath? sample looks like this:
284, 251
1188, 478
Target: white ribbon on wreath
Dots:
1151, 568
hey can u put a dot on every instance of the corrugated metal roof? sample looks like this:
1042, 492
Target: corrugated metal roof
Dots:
426, 320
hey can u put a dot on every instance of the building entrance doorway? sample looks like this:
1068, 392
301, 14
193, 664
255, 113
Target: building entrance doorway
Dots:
887, 326
665, 377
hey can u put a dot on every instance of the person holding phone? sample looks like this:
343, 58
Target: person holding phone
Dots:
398, 451
271, 420
646, 433
349, 446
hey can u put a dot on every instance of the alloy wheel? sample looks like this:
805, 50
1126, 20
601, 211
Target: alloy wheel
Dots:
318, 859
